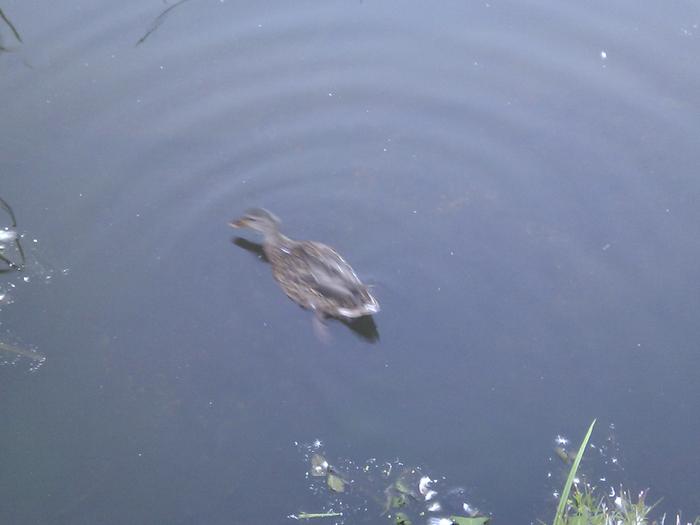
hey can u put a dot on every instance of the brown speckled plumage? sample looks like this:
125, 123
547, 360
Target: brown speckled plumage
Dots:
312, 274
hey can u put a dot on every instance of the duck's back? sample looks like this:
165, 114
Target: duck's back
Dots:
315, 276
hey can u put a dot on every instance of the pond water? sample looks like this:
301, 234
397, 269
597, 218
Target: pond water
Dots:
517, 180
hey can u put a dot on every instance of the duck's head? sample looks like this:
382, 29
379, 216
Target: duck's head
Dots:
258, 219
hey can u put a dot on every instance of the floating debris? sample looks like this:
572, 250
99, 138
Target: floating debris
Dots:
24, 352
567, 456
319, 465
401, 492
335, 482
402, 519
403, 495
471, 520
37, 359
313, 515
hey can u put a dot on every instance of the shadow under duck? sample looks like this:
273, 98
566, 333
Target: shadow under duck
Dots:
312, 274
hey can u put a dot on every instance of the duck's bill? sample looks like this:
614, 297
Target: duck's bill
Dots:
240, 223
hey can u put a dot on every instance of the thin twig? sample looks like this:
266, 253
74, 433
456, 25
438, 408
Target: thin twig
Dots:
159, 20
310, 516
9, 211
12, 27
12, 266
36, 356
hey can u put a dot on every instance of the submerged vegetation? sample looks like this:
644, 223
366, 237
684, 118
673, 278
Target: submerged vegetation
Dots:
561, 508
388, 492
406, 496
586, 506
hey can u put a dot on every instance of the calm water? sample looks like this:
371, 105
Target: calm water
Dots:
519, 180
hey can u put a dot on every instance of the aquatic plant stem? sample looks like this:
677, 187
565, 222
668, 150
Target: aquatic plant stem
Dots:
563, 499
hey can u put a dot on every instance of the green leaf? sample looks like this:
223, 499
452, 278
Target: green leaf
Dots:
335, 482
473, 520
561, 508
562, 454
402, 487
578, 520
402, 519
399, 500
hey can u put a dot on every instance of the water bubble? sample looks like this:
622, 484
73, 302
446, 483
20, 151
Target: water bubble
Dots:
435, 507
7, 235
36, 365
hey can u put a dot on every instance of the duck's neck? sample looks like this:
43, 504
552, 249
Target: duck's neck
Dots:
275, 239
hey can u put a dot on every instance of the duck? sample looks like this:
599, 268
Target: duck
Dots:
310, 273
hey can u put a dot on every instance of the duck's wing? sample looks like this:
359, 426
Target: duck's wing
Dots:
328, 269
321, 271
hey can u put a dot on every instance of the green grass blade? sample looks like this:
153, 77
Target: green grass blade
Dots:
561, 508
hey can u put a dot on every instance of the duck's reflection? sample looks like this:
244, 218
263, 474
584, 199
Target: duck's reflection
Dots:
252, 247
363, 327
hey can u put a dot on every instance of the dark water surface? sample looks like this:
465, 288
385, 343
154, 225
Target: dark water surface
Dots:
518, 179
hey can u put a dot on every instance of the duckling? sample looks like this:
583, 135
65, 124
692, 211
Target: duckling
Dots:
312, 274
